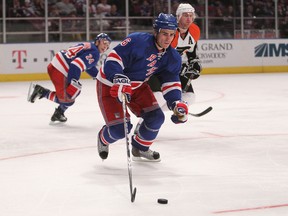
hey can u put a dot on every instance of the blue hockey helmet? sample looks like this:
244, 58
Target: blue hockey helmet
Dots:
102, 36
165, 21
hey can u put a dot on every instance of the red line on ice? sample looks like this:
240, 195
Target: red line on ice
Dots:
251, 209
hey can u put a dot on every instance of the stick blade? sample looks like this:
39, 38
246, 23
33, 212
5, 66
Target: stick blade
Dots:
133, 195
201, 113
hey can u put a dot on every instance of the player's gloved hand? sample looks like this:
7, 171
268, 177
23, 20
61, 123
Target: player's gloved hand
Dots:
121, 86
194, 68
180, 109
74, 89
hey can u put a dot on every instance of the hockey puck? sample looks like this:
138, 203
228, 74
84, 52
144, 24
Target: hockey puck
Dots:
162, 201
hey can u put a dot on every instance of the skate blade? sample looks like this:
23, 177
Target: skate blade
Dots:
141, 159
56, 123
30, 91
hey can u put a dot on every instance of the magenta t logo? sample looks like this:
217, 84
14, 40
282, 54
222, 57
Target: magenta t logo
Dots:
19, 58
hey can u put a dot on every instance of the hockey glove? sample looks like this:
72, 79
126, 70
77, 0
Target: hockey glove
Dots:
180, 109
194, 68
121, 86
74, 89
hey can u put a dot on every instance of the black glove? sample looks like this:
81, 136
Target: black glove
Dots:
194, 68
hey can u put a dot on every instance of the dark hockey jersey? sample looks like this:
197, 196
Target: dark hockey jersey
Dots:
138, 58
76, 59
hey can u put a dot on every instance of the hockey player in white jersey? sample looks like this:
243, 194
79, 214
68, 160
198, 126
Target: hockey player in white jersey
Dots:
125, 72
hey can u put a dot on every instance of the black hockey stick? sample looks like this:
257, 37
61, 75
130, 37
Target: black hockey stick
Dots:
201, 113
185, 90
190, 78
132, 190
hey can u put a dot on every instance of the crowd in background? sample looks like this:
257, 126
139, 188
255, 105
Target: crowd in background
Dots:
259, 14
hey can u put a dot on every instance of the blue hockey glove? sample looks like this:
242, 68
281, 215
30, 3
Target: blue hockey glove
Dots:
121, 86
180, 109
74, 89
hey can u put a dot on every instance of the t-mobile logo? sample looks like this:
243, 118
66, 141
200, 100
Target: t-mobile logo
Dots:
20, 57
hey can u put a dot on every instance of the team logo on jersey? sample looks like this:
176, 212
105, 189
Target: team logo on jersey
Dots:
151, 58
152, 62
90, 58
125, 42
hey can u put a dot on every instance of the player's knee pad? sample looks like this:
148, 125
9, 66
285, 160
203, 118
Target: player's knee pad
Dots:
117, 131
154, 119
149, 128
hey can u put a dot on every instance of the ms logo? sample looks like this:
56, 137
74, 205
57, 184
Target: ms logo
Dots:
271, 50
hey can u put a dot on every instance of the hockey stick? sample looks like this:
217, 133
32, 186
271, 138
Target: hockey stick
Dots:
201, 113
189, 78
185, 90
132, 191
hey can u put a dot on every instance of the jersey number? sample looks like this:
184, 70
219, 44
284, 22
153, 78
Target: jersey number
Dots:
72, 51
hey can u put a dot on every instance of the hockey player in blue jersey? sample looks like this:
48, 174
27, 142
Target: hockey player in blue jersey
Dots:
126, 71
65, 70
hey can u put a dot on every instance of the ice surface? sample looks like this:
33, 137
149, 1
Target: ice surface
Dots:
232, 161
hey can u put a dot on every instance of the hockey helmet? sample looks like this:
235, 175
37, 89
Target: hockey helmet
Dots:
102, 36
184, 8
165, 21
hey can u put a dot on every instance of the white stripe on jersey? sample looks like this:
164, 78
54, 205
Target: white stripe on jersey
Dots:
170, 86
57, 64
113, 56
79, 63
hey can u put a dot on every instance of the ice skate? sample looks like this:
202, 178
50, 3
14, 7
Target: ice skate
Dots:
36, 91
148, 156
58, 115
103, 149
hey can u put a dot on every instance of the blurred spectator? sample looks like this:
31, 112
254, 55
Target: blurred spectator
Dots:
117, 23
158, 8
258, 14
134, 9
54, 11
282, 8
120, 5
39, 7
146, 11
229, 21
104, 7
220, 25
80, 6
54, 23
174, 7
66, 8
16, 9
30, 10
93, 8
283, 29
101, 23
114, 13
269, 8
249, 16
